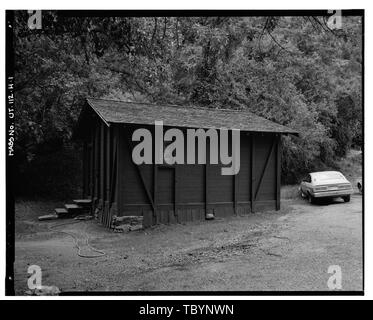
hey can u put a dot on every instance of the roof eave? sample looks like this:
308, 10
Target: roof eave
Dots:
97, 112
289, 132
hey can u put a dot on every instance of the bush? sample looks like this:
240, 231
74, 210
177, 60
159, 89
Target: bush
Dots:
52, 175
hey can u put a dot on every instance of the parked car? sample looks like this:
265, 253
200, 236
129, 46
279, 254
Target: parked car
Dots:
325, 184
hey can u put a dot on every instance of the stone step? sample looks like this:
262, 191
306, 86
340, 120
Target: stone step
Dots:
48, 217
73, 208
83, 202
61, 212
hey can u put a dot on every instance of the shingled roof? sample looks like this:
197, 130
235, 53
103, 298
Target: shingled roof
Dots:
112, 111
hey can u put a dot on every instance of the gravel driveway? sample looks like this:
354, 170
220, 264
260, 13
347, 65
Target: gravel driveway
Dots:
287, 250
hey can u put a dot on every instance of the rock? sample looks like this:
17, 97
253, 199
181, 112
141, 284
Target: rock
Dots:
83, 217
135, 228
48, 217
44, 291
122, 228
210, 216
132, 220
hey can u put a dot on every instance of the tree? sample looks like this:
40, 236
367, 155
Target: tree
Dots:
292, 70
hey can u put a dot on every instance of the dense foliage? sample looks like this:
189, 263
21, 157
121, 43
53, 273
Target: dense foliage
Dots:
293, 70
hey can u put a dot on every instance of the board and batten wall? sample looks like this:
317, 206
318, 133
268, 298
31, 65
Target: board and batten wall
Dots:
181, 192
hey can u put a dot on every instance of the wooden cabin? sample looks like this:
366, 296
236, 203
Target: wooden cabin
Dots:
176, 193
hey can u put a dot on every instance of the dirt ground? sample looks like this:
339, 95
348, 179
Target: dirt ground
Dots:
286, 250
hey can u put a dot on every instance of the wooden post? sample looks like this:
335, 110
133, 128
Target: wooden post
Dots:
206, 187
97, 144
102, 170
155, 189
120, 167
155, 181
252, 163
207, 167
235, 191
84, 169
108, 162
118, 170
102, 162
235, 183
176, 189
278, 173
92, 166
113, 176
107, 176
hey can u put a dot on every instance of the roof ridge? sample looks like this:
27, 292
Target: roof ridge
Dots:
120, 111
178, 106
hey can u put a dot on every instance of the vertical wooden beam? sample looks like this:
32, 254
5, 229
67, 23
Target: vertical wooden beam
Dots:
235, 184
114, 165
102, 162
278, 173
102, 170
84, 168
155, 188
206, 186
155, 181
113, 176
207, 169
108, 176
235, 192
92, 166
176, 188
97, 158
120, 168
108, 162
252, 170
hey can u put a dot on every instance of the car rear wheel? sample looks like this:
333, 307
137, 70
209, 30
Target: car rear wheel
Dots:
346, 198
360, 187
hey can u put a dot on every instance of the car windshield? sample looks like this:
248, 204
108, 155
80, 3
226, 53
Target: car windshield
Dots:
321, 176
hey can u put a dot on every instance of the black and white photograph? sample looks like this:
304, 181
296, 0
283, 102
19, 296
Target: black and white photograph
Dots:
184, 152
